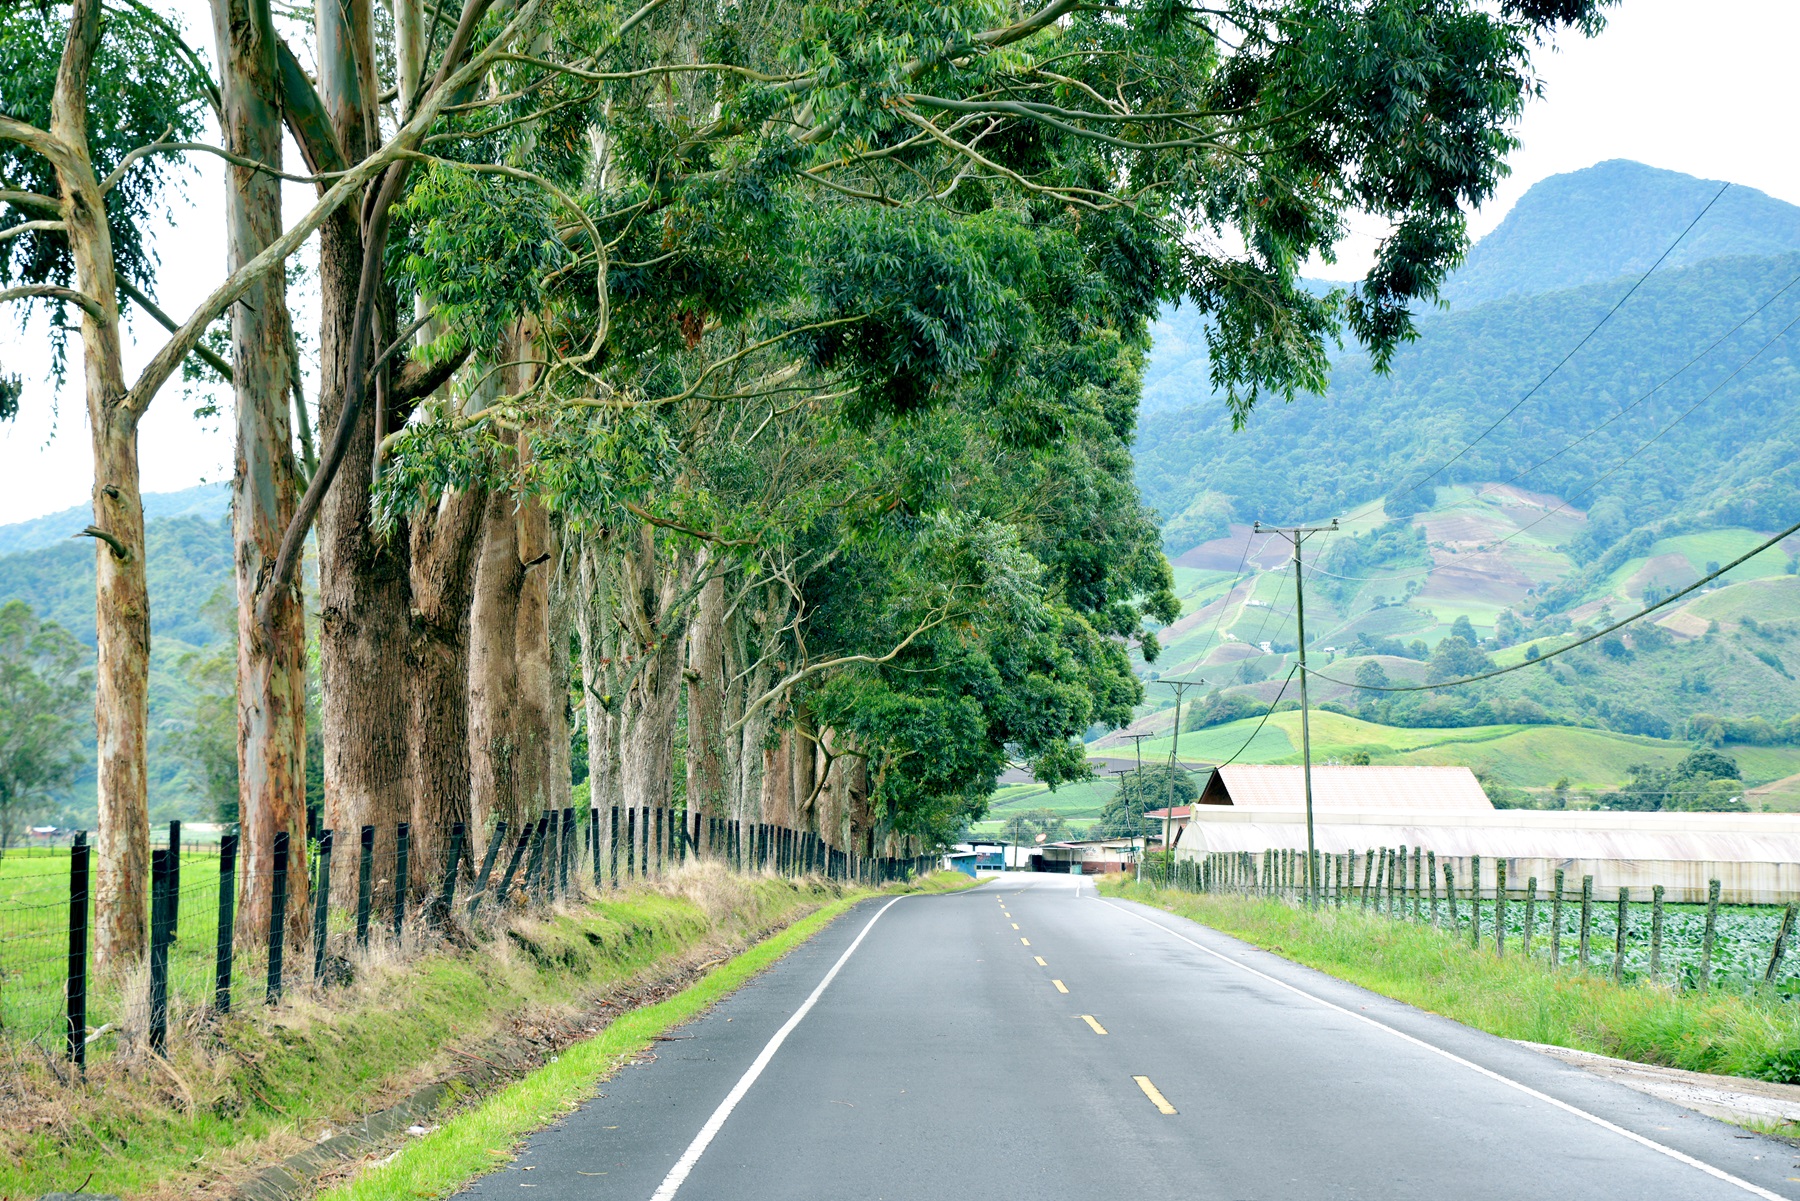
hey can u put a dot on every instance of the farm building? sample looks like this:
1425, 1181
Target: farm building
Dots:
1756, 856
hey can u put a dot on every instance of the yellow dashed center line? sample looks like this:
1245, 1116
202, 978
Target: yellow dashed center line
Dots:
1026, 941
1096, 1027
1015, 925
1040, 960
1156, 1098
1060, 986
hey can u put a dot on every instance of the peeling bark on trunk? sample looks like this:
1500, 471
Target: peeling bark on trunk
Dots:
538, 703
442, 578
494, 669
653, 587
271, 670
363, 586
596, 626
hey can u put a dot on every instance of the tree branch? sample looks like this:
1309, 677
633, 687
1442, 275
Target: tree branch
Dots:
201, 351
82, 300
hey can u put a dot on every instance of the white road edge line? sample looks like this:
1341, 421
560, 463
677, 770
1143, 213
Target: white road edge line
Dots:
1672, 1153
679, 1173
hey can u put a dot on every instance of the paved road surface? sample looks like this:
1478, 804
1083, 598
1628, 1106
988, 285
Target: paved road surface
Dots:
944, 1059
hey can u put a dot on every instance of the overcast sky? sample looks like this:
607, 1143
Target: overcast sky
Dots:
1703, 89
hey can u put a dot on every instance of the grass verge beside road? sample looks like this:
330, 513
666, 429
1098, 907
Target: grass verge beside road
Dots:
1733, 1034
251, 1089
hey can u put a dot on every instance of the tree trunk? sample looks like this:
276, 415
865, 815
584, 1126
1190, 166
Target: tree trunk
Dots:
121, 596
706, 696
271, 673
596, 625
443, 551
363, 592
494, 668
653, 589
540, 700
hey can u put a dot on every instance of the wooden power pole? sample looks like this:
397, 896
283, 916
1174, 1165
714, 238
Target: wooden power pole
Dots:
1296, 535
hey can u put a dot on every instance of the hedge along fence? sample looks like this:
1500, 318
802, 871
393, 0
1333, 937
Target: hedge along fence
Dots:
1563, 919
197, 967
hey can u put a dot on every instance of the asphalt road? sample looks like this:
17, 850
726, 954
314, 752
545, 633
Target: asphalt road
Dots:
944, 1058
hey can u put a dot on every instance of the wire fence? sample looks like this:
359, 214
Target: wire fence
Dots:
221, 934
1563, 920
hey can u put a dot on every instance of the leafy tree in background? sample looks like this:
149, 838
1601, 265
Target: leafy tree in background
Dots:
207, 741
43, 696
1704, 781
1141, 792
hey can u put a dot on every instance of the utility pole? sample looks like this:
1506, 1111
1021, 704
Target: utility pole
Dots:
1298, 534
1137, 819
1180, 687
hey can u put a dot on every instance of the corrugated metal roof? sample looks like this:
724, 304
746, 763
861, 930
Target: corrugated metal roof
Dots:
1259, 786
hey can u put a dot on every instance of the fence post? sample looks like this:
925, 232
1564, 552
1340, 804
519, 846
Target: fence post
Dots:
159, 951
612, 849
487, 865
1500, 907
535, 864
1656, 931
552, 852
1450, 894
321, 905
1431, 878
277, 917
512, 867
1706, 942
1587, 917
365, 883
1556, 921
1368, 876
594, 839
1781, 937
1618, 972
402, 852
447, 890
568, 846
1475, 900
1530, 913
75, 987
222, 956
1418, 888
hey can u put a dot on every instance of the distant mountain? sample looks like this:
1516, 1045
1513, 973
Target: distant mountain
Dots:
1613, 219
206, 501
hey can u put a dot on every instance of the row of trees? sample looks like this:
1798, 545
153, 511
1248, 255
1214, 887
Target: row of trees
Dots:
779, 359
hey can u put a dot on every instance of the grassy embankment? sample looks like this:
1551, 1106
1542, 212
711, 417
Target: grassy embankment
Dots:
1729, 1033
263, 1084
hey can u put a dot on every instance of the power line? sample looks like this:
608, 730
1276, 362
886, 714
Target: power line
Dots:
1620, 465
1667, 380
1583, 641
1225, 604
1265, 717
1561, 363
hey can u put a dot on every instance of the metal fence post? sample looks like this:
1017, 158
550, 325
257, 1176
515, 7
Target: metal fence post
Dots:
277, 917
487, 866
222, 954
512, 865
535, 864
365, 884
321, 905
402, 850
594, 840
75, 986
612, 847
446, 891
159, 950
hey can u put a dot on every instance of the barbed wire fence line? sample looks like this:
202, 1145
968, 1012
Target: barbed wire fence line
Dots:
201, 963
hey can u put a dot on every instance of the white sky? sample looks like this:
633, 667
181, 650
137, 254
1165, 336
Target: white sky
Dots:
1709, 92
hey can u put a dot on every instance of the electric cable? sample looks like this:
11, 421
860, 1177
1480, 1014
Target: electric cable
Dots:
1561, 363
1583, 641
1265, 718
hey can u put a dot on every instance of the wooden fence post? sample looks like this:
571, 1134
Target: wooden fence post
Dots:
1450, 893
1556, 921
1781, 937
1431, 883
487, 865
1656, 931
365, 883
1618, 972
1530, 913
1712, 924
1475, 900
1500, 906
1587, 918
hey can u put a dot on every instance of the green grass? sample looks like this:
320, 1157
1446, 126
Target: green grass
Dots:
1730, 1033
1773, 599
479, 1140
263, 1082
1525, 756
